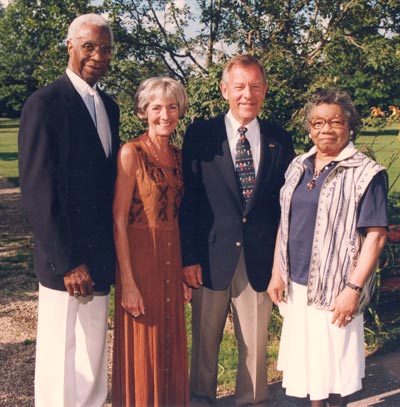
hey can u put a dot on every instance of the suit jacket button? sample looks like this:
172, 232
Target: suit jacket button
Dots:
238, 244
244, 220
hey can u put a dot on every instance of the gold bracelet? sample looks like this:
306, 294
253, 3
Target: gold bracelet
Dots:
354, 287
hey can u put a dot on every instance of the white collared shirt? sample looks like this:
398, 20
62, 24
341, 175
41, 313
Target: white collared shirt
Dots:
96, 108
252, 134
82, 88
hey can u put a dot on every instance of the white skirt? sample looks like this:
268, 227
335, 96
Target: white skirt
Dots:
316, 357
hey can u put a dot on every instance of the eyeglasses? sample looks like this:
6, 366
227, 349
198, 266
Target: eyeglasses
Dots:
90, 48
319, 122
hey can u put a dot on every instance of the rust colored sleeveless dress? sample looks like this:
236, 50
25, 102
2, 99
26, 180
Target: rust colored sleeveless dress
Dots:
150, 366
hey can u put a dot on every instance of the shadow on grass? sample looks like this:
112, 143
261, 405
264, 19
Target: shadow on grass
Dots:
8, 123
380, 132
9, 156
9, 182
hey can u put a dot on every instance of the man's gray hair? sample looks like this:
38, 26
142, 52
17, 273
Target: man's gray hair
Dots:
87, 19
243, 60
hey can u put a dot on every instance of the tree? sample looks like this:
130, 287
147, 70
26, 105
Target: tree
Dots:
151, 40
32, 50
304, 45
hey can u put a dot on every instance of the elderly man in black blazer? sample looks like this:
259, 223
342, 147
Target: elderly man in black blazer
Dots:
68, 143
233, 169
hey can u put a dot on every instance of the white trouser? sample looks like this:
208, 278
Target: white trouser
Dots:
71, 350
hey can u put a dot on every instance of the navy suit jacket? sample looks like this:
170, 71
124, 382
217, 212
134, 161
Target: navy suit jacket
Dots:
214, 226
67, 184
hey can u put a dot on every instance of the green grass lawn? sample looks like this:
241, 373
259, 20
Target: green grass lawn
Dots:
9, 150
385, 145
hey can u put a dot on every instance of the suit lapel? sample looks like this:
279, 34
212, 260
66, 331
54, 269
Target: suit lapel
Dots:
268, 154
224, 162
113, 124
76, 104
82, 118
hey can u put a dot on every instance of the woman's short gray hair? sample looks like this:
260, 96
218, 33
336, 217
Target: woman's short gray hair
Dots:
164, 87
87, 19
333, 97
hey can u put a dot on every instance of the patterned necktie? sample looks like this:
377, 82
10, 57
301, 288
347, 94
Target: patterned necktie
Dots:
244, 166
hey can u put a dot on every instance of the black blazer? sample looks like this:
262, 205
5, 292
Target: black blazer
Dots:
213, 224
67, 184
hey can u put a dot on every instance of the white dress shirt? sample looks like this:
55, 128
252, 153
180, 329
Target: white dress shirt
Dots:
95, 107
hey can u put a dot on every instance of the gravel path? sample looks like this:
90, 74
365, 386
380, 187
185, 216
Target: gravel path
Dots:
18, 304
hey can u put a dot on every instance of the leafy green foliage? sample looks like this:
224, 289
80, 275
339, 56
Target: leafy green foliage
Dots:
205, 96
304, 45
32, 52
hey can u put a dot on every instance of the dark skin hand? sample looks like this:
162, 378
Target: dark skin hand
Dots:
79, 281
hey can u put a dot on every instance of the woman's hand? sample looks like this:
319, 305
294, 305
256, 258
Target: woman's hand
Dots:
132, 301
276, 289
187, 293
276, 286
344, 307
346, 302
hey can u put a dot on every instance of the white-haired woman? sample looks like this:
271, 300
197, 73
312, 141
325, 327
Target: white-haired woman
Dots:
150, 350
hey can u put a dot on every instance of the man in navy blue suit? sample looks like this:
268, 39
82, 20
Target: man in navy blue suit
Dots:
68, 143
229, 219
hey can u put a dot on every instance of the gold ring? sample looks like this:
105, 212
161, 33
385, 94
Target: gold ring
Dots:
349, 318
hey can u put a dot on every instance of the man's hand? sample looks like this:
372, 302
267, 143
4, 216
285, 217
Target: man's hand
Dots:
78, 281
192, 276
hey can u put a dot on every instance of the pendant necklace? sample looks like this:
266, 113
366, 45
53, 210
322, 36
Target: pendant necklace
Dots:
317, 173
153, 150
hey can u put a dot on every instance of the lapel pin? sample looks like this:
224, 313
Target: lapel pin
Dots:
271, 145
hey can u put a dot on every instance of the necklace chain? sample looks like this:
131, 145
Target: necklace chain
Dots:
153, 150
317, 173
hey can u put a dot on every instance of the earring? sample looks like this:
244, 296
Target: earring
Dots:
351, 132
309, 136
